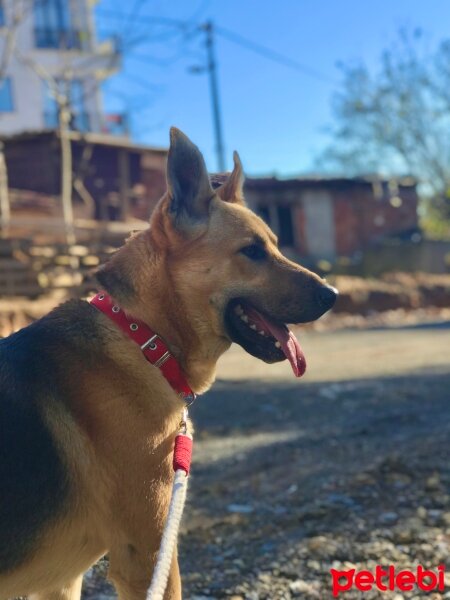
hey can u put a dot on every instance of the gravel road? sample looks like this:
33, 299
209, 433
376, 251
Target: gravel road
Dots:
347, 468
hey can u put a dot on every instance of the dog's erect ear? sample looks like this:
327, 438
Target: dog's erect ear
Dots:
190, 191
232, 189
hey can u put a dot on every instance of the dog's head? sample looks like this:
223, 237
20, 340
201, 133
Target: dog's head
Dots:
224, 277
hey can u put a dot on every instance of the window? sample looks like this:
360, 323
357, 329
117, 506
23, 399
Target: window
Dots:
53, 25
286, 233
75, 93
6, 98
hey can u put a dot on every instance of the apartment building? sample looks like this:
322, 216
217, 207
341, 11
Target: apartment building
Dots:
49, 49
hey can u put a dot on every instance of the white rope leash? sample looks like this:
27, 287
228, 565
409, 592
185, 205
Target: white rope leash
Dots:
169, 539
181, 464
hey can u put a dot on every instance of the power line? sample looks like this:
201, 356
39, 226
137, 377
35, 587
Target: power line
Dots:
133, 15
187, 29
159, 62
145, 19
235, 38
272, 55
143, 83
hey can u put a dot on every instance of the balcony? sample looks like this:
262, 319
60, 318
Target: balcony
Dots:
80, 121
60, 39
115, 124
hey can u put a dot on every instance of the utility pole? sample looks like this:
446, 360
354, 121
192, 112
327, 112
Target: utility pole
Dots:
208, 28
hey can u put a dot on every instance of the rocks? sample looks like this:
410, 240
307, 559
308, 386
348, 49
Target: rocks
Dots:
304, 588
388, 517
433, 482
243, 509
322, 547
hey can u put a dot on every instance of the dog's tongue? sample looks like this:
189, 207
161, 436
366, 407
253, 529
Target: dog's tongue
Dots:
290, 346
289, 343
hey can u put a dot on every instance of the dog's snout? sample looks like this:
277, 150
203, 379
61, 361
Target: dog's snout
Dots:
326, 296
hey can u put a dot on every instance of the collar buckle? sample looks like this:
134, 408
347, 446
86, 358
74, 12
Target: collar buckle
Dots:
151, 344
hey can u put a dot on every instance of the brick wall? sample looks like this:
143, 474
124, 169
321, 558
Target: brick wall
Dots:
362, 214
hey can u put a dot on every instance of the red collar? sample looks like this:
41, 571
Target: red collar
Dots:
153, 347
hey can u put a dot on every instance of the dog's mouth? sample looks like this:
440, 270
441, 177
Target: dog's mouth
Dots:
263, 336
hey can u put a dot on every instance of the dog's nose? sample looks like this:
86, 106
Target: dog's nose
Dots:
326, 296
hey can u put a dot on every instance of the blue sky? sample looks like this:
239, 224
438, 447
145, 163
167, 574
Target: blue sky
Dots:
276, 117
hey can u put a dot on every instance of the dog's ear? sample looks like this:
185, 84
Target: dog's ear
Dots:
232, 189
190, 191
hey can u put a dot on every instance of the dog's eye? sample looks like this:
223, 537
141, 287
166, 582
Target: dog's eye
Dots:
254, 252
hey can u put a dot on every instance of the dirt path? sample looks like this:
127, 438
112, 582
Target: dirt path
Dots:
346, 355
348, 467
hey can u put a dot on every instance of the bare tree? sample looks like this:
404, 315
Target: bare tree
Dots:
64, 116
397, 120
19, 10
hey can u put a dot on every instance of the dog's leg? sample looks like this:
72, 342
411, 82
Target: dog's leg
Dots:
71, 591
131, 573
173, 591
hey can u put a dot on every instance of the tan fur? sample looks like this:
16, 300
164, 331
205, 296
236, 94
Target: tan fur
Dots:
116, 426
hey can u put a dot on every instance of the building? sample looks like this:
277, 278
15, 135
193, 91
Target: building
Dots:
326, 218
53, 53
114, 179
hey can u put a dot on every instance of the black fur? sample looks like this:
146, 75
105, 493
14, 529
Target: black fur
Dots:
188, 180
34, 486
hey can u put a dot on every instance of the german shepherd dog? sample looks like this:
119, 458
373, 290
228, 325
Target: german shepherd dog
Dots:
87, 425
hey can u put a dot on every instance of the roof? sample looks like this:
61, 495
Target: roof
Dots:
99, 139
102, 139
325, 181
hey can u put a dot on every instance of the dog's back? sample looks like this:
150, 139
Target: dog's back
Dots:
34, 485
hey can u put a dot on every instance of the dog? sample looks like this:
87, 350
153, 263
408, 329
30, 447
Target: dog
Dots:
87, 424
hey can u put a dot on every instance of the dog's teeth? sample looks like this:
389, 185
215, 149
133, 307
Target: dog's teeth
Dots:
261, 333
253, 327
277, 345
239, 310
244, 318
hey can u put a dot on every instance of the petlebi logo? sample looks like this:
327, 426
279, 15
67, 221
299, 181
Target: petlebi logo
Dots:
386, 578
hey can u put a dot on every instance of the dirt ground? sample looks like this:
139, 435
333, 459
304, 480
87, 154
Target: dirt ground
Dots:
347, 468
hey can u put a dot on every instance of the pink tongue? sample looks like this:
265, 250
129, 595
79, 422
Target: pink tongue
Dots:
289, 343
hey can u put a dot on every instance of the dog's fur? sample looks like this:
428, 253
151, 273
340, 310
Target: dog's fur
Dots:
87, 425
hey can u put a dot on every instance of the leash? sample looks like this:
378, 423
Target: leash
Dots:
158, 354
181, 465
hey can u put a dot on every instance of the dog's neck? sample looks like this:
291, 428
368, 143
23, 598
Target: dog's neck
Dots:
136, 277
